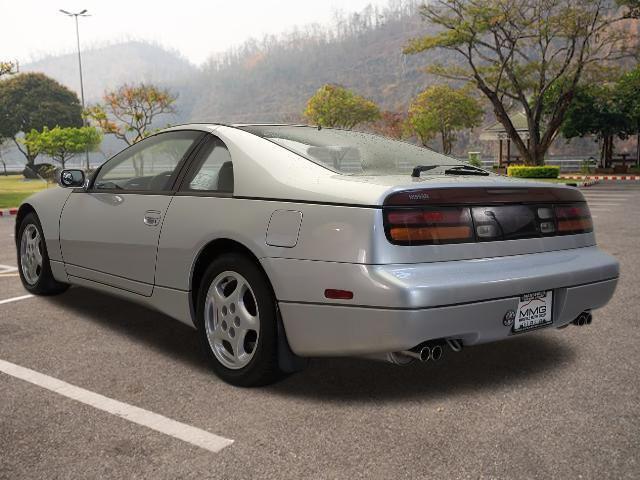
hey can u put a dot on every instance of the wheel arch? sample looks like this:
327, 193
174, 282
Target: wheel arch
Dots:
208, 253
288, 361
23, 211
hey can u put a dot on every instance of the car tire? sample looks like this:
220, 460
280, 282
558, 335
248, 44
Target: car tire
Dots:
33, 259
237, 322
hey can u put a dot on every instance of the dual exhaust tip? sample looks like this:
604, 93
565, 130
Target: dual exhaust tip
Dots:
424, 354
584, 318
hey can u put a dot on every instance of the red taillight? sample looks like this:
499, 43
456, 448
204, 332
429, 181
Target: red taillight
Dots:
420, 226
573, 218
459, 215
421, 217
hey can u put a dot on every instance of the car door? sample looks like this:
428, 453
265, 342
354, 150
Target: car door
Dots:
109, 233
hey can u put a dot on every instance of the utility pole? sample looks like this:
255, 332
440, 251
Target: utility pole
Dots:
83, 13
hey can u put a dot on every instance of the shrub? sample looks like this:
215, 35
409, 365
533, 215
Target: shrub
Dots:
587, 166
39, 170
474, 159
524, 171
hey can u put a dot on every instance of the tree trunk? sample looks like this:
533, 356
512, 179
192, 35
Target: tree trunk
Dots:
610, 153
638, 148
606, 153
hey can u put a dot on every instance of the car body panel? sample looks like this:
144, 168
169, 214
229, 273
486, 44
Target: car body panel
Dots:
48, 205
426, 285
329, 330
104, 238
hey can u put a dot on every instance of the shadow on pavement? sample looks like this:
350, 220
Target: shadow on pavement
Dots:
343, 379
484, 367
143, 325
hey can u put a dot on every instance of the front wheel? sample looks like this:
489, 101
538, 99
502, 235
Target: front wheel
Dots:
236, 316
33, 259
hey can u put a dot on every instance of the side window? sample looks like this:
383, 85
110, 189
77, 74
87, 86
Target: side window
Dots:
212, 171
149, 165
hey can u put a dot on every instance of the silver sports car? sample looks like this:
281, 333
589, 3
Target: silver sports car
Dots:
282, 242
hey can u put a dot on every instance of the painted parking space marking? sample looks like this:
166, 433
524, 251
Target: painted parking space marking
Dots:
15, 299
8, 269
159, 423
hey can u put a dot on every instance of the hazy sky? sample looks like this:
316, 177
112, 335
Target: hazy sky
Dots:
31, 28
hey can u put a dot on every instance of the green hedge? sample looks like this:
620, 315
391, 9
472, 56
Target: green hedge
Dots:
523, 171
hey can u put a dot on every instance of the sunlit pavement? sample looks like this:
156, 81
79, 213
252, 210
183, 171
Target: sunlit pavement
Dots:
552, 404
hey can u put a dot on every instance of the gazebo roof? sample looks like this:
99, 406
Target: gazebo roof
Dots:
496, 131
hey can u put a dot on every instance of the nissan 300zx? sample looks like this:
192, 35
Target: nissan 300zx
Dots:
282, 242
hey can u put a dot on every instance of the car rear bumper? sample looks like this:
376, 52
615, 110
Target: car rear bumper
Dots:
396, 307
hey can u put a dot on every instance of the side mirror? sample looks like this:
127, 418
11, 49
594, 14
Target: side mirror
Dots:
72, 178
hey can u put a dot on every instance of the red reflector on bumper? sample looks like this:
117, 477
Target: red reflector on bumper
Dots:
338, 294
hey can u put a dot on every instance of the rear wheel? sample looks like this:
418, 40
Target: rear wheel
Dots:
33, 259
236, 315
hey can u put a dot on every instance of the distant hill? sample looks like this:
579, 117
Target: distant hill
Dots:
271, 80
109, 66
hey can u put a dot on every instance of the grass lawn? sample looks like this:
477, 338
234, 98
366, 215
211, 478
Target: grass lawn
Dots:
14, 189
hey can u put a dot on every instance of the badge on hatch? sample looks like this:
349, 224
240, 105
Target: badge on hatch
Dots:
509, 318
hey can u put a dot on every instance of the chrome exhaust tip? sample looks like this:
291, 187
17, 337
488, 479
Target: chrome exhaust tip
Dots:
583, 319
436, 353
423, 354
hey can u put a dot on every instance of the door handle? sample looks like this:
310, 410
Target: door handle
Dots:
152, 217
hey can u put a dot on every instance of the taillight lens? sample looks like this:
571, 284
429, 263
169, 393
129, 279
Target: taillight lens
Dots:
428, 226
431, 225
574, 218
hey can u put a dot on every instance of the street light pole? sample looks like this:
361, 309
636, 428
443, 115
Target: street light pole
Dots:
83, 13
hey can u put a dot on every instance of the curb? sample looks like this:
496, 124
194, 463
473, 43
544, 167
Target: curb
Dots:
601, 177
589, 182
8, 212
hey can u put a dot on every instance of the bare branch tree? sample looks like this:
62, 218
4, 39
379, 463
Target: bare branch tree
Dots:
515, 51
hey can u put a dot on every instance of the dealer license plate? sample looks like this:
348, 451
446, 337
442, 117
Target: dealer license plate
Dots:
534, 311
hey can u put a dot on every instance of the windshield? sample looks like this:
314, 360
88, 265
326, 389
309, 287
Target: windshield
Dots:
353, 153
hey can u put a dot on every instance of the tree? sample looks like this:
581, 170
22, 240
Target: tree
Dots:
390, 124
6, 68
62, 144
515, 50
443, 110
335, 106
32, 101
628, 93
595, 110
129, 111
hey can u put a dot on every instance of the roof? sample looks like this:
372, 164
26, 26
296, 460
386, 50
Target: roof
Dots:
496, 131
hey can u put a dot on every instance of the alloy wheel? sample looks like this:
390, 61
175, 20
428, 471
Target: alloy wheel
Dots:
31, 254
232, 320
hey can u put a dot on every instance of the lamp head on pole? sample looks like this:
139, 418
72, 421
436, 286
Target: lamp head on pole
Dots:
82, 13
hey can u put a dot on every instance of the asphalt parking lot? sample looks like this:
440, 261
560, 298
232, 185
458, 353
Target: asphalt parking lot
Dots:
551, 404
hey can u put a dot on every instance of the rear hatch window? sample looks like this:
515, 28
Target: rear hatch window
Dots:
353, 153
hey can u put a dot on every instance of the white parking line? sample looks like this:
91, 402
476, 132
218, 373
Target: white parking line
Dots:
140, 416
7, 269
15, 299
